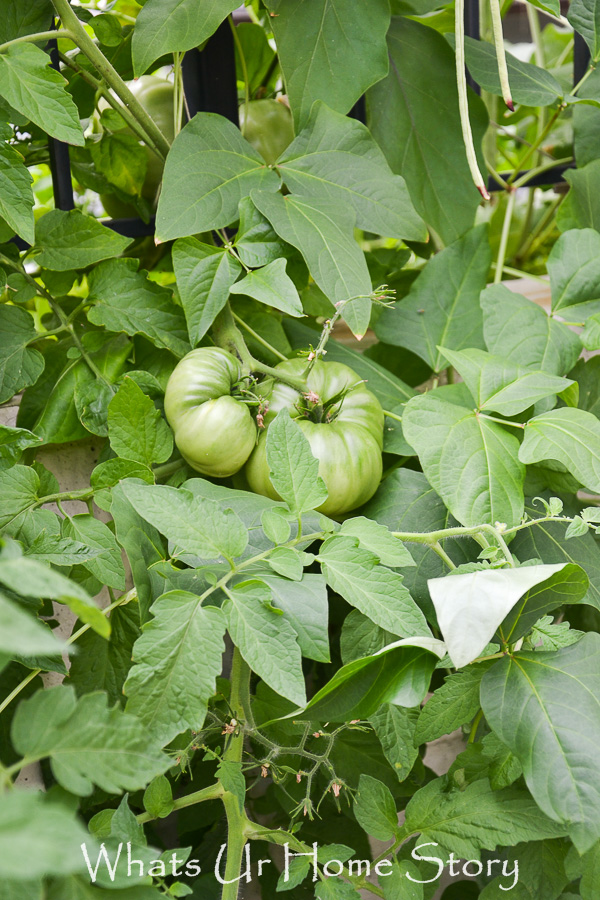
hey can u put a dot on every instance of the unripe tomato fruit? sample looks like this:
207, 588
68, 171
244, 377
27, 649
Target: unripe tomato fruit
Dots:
156, 96
269, 127
214, 432
347, 442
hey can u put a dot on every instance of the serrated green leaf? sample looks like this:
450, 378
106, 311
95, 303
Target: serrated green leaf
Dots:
112, 471
293, 469
451, 705
71, 240
540, 868
136, 428
375, 809
442, 307
22, 634
107, 565
395, 729
20, 365
379, 540
87, 742
230, 774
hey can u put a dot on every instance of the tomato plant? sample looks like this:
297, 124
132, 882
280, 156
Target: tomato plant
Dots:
299, 466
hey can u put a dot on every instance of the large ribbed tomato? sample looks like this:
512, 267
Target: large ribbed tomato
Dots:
343, 422
215, 433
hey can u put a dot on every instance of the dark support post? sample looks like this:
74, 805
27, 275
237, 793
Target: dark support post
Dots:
209, 77
581, 58
60, 164
472, 31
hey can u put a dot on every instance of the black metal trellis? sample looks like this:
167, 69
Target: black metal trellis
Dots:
210, 85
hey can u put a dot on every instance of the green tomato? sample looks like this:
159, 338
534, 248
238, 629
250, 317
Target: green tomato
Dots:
347, 441
269, 127
156, 96
214, 432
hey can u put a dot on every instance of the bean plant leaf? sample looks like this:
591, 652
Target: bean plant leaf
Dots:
336, 157
136, 428
569, 585
209, 169
294, 471
470, 607
192, 524
272, 286
176, 659
87, 742
16, 197
29, 819
546, 708
571, 436
70, 240
374, 590
399, 673
323, 233
413, 115
581, 208
37, 91
442, 309
584, 16
574, 269
176, 25
126, 300
20, 365
502, 386
204, 275
519, 330
265, 639
256, 241
477, 818
471, 462
322, 61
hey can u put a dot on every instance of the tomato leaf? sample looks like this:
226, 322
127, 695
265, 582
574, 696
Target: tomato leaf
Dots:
294, 471
136, 428
70, 240
20, 365
205, 275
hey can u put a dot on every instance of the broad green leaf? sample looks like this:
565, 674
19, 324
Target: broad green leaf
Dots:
571, 436
37, 91
546, 708
71, 240
362, 637
60, 551
470, 461
112, 471
192, 524
323, 232
375, 809
272, 286
529, 84
29, 819
107, 566
256, 242
581, 209
378, 539
323, 60
413, 115
442, 308
574, 269
175, 25
121, 159
590, 337
586, 866
287, 561
266, 639
20, 365
19, 488
519, 330
126, 300
540, 867
16, 197
500, 385
204, 275
471, 607
22, 634
19, 19
209, 169
177, 659
399, 673
293, 469
87, 742
336, 157
476, 818
158, 797
136, 428
584, 16
395, 729
567, 586
13, 441
374, 590
586, 374
586, 121
101, 665
305, 606
451, 705
34, 579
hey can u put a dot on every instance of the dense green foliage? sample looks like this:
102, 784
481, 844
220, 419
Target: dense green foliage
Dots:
289, 540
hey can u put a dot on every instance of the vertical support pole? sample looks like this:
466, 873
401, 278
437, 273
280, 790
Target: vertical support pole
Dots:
581, 58
472, 30
209, 77
60, 164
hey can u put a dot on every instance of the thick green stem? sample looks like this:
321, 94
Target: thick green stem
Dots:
510, 205
213, 792
109, 73
37, 38
259, 338
437, 548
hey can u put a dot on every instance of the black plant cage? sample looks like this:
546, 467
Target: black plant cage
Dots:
210, 85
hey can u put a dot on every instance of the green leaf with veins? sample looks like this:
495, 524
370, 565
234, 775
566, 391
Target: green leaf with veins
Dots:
571, 436
16, 197
305, 606
107, 566
584, 16
378, 539
71, 240
323, 232
136, 428
375, 809
451, 705
581, 208
294, 470
574, 270
272, 286
546, 708
442, 308
23, 635
395, 729
336, 157
471, 462
20, 365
